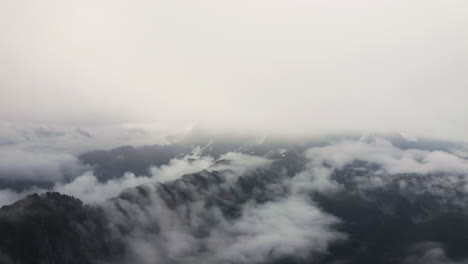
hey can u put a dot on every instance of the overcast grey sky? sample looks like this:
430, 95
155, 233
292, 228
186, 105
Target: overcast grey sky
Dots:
287, 66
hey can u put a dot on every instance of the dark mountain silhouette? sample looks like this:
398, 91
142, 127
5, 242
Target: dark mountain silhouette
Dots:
381, 223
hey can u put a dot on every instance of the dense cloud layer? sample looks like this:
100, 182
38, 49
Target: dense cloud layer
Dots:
78, 78
38, 165
392, 159
436, 172
263, 233
290, 227
39, 155
31, 136
287, 66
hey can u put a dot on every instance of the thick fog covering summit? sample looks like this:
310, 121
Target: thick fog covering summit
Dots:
234, 132
284, 66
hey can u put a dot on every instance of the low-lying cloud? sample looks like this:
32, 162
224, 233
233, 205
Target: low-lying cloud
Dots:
290, 227
429, 253
242, 208
38, 165
37, 156
194, 232
88, 188
392, 159
435, 168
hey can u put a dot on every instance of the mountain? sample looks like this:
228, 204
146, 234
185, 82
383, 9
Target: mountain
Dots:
53, 228
329, 200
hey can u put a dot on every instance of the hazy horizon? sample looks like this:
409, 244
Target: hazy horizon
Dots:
271, 66
233, 131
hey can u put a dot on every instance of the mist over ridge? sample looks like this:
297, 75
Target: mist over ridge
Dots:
233, 132
251, 200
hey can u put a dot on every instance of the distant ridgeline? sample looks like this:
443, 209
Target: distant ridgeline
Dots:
311, 205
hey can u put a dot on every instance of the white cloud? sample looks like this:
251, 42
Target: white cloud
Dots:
289, 227
38, 165
89, 189
178, 167
293, 226
49, 153
429, 253
437, 172
236, 164
291, 66
8, 196
393, 159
